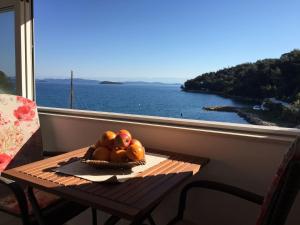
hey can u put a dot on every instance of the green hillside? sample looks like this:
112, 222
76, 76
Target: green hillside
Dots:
5, 83
279, 78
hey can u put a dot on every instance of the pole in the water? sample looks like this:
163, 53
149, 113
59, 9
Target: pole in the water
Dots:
71, 97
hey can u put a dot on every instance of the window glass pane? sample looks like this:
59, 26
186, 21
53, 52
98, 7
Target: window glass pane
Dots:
230, 61
7, 52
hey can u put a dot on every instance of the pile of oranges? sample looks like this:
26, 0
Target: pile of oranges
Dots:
118, 147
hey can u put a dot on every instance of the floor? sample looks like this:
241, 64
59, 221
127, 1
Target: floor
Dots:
84, 218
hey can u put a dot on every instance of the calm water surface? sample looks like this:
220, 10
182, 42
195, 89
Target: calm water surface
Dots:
143, 99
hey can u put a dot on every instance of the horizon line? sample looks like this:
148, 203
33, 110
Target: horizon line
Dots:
128, 81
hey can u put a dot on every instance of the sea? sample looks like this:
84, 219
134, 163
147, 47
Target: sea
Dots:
153, 99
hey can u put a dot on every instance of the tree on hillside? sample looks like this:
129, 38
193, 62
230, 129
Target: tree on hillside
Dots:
279, 78
5, 83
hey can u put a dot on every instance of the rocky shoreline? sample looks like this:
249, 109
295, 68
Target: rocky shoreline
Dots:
244, 99
242, 112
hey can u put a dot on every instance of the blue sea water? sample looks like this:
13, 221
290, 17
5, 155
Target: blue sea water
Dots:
143, 99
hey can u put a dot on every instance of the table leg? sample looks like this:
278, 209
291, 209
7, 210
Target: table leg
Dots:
112, 220
138, 222
94, 216
141, 220
35, 206
151, 220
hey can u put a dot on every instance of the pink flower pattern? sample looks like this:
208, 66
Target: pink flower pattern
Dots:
24, 113
3, 121
4, 161
26, 101
18, 121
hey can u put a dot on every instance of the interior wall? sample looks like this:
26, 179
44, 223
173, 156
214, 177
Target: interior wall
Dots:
246, 162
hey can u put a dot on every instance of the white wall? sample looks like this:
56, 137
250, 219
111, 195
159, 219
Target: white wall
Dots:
245, 159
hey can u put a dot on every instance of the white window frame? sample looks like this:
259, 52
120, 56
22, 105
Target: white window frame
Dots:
23, 45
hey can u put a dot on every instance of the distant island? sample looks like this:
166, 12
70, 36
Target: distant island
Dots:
67, 81
110, 82
91, 82
267, 78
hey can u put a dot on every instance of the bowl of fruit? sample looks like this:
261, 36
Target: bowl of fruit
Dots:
116, 150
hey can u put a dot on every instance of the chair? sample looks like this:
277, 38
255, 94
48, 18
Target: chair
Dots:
275, 206
21, 143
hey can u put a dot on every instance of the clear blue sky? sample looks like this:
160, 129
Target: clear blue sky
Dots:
159, 40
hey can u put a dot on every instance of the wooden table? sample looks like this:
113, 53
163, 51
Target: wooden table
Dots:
132, 200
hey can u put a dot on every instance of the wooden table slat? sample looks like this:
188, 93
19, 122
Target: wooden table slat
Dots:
136, 181
129, 185
45, 175
51, 161
58, 178
150, 200
75, 180
143, 182
152, 182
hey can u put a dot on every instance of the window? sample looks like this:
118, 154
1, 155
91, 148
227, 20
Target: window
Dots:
16, 73
7, 51
216, 61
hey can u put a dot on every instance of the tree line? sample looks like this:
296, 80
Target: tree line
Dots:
5, 83
279, 78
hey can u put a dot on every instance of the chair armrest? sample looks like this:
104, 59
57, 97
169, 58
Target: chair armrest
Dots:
229, 189
17, 190
14, 187
216, 186
5, 181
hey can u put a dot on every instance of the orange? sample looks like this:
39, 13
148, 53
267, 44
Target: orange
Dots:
136, 142
108, 138
118, 156
136, 152
101, 153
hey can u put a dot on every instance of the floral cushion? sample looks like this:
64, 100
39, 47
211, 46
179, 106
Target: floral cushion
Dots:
18, 123
10, 203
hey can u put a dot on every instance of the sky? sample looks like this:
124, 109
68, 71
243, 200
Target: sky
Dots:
7, 43
159, 40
